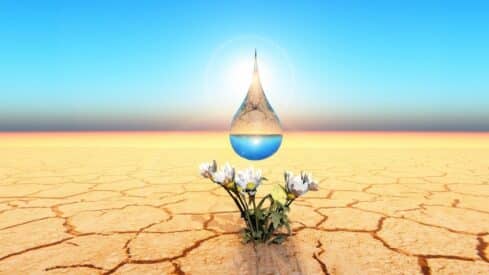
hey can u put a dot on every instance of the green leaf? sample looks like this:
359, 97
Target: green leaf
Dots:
246, 236
261, 216
279, 195
276, 217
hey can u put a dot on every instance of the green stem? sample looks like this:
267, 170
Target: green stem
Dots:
263, 200
235, 201
247, 212
243, 207
269, 225
289, 202
254, 211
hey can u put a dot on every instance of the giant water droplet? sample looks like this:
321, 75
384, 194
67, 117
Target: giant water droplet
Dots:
255, 131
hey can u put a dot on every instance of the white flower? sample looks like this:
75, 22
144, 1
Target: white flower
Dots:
307, 178
225, 175
219, 177
248, 180
299, 185
296, 186
208, 169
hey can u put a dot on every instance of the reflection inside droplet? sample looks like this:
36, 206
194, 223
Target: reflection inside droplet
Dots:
255, 131
255, 147
255, 140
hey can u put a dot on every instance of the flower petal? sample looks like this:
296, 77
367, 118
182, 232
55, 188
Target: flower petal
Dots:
313, 186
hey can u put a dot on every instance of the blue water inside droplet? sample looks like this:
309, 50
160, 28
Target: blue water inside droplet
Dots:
255, 147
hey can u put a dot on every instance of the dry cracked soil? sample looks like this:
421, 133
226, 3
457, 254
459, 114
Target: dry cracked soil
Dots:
87, 207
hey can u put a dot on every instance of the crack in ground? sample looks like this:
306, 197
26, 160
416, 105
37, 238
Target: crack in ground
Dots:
34, 248
91, 266
315, 255
423, 264
111, 174
166, 259
481, 247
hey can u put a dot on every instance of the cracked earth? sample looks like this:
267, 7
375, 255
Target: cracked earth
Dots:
111, 204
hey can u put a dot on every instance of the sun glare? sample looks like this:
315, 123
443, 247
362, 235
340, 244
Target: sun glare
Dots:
256, 141
230, 69
238, 77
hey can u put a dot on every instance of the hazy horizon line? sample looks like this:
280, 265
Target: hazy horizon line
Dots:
222, 130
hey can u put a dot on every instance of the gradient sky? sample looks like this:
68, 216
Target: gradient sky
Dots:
185, 65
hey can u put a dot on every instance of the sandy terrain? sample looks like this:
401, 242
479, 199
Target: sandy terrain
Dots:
134, 204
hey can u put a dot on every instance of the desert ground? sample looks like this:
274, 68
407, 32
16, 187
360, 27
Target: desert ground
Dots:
134, 203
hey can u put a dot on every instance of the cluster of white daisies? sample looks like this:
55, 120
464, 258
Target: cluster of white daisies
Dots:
248, 180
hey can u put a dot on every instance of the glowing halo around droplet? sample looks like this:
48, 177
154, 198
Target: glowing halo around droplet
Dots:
229, 70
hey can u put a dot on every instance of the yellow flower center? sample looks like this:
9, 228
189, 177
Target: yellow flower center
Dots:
250, 185
229, 185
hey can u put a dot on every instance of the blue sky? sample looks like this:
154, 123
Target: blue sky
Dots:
158, 65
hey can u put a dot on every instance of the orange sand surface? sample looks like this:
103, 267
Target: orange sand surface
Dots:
133, 203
